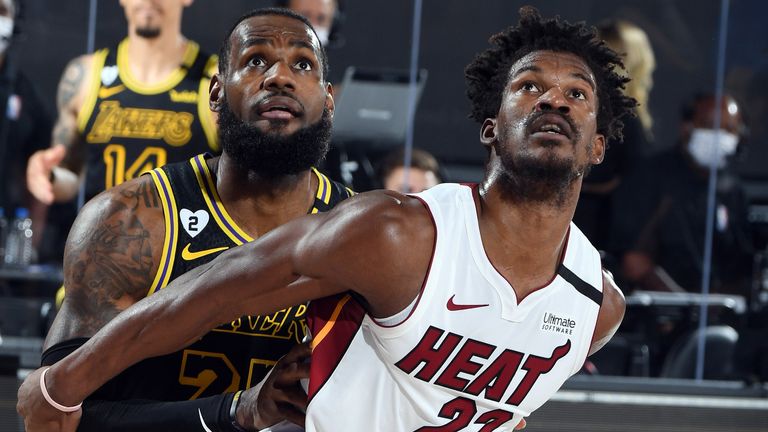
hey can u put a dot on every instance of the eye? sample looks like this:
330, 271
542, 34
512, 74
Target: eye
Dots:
529, 86
304, 65
256, 61
579, 94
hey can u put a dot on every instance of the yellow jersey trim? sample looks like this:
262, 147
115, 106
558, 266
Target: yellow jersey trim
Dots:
323, 188
331, 322
204, 110
97, 64
168, 202
124, 71
215, 206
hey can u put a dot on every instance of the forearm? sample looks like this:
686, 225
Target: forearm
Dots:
148, 416
195, 302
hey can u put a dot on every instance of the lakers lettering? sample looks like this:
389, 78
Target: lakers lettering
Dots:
175, 128
289, 323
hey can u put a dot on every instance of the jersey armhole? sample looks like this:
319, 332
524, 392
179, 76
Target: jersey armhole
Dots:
93, 89
170, 240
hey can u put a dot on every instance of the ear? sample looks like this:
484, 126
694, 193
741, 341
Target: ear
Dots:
598, 149
215, 93
488, 133
330, 103
187, 3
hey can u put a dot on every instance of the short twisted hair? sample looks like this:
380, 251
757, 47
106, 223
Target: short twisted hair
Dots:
487, 75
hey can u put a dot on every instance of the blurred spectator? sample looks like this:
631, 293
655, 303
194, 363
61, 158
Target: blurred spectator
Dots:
594, 212
25, 127
423, 173
128, 109
660, 212
323, 14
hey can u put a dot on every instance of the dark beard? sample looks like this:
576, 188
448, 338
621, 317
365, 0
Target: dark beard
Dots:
528, 179
148, 32
270, 155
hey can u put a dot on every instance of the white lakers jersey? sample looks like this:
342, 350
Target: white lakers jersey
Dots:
470, 355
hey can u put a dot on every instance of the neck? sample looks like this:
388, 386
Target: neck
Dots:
152, 60
532, 235
261, 204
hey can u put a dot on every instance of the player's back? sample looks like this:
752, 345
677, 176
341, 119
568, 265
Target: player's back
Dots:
467, 355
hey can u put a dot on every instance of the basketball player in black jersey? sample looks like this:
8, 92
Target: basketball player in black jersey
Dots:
275, 110
128, 109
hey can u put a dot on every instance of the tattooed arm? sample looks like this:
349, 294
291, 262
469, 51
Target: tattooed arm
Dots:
110, 259
66, 156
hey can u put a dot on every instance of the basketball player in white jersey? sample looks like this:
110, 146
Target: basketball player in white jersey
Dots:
462, 308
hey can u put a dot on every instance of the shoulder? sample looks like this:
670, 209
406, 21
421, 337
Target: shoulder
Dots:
111, 257
381, 215
374, 243
132, 204
81, 65
75, 81
381, 218
611, 313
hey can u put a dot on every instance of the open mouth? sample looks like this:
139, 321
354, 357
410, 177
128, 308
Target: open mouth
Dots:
551, 124
280, 107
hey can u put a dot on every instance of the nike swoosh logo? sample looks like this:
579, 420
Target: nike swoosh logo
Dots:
188, 255
457, 307
105, 92
205, 426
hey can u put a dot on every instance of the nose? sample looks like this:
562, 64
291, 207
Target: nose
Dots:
279, 77
552, 100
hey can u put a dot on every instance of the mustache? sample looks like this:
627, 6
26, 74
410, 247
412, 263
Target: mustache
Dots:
536, 115
279, 94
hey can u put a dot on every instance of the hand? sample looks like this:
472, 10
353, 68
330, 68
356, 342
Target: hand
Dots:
280, 395
39, 168
38, 414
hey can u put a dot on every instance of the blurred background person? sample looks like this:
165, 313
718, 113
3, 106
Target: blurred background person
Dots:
660, 211
324, 15
128, 109
594, 212
25, 126
423, 173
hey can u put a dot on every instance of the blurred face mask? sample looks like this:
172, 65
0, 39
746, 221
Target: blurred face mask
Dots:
710, 147
6, 30
322, 34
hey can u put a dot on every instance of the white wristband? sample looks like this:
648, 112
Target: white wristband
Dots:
50, 400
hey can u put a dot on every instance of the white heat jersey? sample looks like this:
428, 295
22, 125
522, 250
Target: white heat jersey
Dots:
470, 356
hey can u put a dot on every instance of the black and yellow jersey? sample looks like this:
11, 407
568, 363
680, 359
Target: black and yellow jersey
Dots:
130, 128
237, 354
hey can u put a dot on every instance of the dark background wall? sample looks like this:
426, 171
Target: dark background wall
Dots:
378, 35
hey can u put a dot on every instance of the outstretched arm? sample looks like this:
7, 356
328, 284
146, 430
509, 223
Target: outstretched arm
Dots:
360, 245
